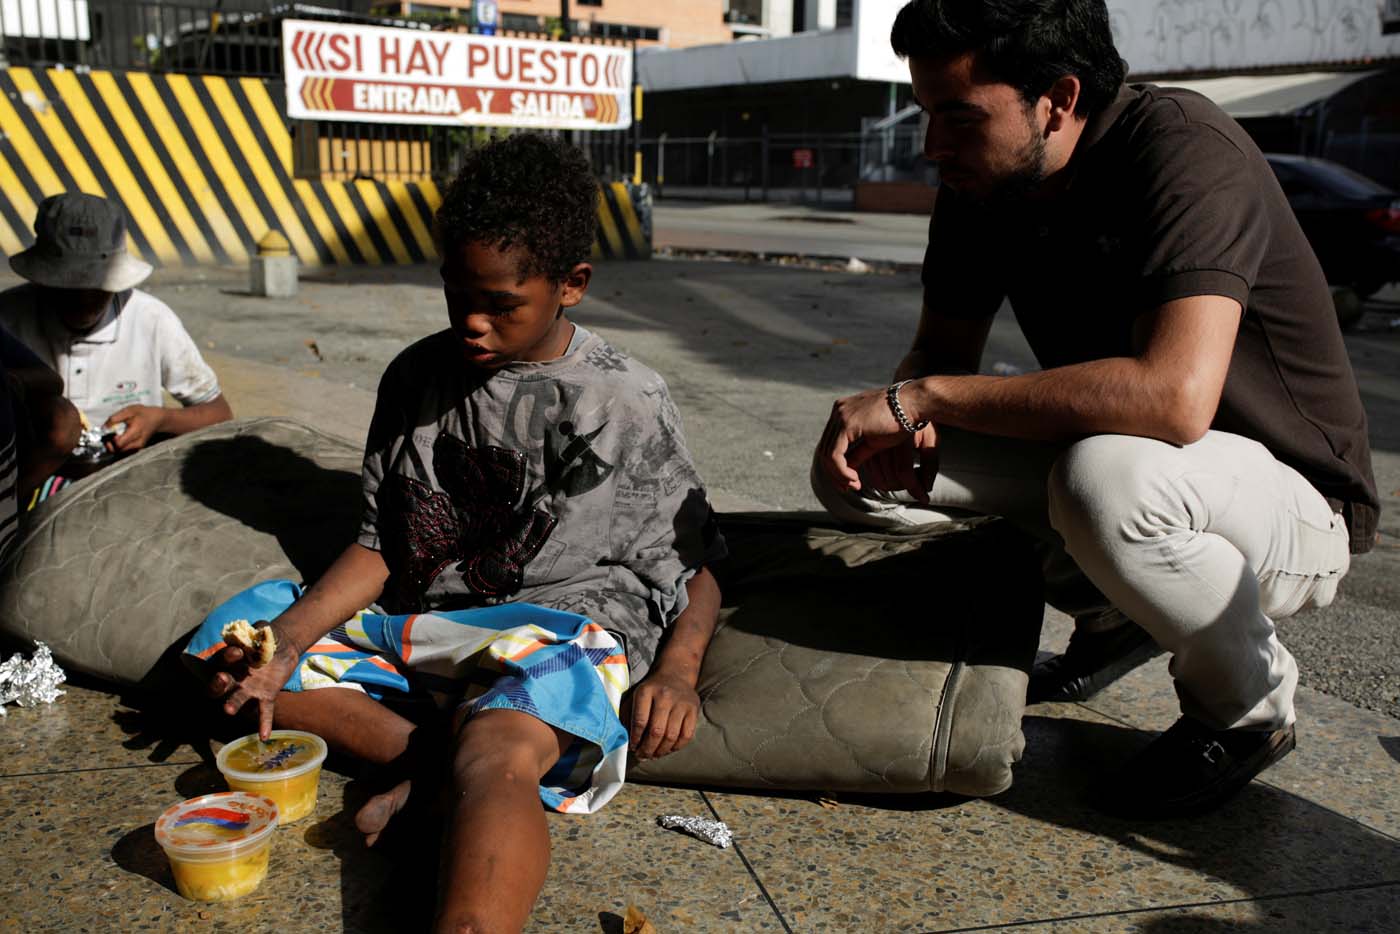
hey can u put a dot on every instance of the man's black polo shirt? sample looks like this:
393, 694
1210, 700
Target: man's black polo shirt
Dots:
1169, 198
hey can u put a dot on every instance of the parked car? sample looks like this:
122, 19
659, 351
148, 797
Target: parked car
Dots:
1352, 221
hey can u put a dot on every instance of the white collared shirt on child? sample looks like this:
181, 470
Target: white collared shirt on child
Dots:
138, 348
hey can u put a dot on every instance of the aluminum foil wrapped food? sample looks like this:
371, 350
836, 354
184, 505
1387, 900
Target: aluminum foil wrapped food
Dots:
92, 441
89, 442
30, 682
716, 832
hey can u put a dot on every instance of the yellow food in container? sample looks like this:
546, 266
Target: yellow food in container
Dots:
218, 845
286, 768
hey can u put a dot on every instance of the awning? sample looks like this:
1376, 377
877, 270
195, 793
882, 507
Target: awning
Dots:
1270, 95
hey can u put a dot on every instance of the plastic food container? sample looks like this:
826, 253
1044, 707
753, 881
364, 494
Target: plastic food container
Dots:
286, 768
218, 844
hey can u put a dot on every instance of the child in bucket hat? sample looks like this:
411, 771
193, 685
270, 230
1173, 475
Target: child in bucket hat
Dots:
80, 243
115, 346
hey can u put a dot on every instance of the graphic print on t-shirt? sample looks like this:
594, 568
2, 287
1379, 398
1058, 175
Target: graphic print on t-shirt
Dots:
540, 414
125, 392
471, 525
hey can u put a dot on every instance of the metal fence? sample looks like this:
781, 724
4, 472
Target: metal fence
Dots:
754, 167
1374, 151
228, 38
388, 151
244, 38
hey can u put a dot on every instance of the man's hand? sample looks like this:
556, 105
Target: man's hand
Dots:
665, 708
142, 422
239, 683
860, 427
911, 465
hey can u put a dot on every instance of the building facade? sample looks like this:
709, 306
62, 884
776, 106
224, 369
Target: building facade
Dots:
668, 23
829, 105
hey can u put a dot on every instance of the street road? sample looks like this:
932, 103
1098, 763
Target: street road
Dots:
789, 229
754, 355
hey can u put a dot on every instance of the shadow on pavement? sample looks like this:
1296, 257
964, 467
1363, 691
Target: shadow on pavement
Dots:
392, 886
138, 852
1264, 842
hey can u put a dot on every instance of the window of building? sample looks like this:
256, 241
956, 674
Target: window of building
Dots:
745, 11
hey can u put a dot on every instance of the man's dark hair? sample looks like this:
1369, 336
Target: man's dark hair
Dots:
1029, 44
529, 191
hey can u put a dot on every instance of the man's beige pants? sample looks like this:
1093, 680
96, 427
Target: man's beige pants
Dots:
1203, 546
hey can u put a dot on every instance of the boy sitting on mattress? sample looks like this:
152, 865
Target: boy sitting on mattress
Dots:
537, 534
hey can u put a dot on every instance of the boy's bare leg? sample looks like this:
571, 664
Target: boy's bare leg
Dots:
349, 721
496, 851
357, 724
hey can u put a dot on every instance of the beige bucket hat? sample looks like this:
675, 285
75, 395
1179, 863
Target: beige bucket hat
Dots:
80, 243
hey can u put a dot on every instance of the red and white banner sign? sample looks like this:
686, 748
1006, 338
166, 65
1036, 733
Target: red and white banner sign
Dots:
375, 74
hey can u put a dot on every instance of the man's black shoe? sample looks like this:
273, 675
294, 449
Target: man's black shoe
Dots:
1091, 662
1191, 769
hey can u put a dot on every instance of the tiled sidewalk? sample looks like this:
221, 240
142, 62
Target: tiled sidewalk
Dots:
1314, 846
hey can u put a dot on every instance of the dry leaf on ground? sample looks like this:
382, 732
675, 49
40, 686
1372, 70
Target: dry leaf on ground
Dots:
637, 923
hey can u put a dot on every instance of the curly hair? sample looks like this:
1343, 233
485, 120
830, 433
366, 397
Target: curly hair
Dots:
529, 191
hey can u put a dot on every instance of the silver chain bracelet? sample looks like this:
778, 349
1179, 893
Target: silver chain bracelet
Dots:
892, 397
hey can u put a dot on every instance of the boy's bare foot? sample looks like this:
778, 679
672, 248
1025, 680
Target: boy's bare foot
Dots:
380, 809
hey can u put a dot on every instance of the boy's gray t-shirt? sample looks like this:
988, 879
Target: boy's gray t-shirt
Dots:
565, 484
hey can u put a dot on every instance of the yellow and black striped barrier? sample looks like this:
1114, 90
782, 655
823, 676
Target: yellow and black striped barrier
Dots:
202, 166
624, 221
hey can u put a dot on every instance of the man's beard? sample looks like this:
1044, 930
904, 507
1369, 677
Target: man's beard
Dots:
1020, 183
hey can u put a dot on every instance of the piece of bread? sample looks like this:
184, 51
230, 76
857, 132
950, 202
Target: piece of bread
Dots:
258, 643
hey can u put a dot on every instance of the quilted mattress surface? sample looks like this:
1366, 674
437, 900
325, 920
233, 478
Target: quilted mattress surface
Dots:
865, 661
870, 661
124, 563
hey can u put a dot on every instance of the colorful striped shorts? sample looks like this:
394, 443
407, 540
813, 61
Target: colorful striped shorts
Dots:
561, 668
48, 488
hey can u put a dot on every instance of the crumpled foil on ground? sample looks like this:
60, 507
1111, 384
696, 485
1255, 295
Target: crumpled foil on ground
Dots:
716, 832
32, 681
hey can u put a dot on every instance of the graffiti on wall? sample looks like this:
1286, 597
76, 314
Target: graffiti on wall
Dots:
1158, 36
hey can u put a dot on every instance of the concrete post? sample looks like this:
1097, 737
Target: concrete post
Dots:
273, 271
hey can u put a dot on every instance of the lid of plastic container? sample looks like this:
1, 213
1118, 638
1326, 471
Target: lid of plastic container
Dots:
210, 824
285, 754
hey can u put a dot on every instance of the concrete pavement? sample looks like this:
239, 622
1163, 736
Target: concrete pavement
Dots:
789, 229
754, 354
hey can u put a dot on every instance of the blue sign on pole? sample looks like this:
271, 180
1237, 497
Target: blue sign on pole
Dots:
486, 16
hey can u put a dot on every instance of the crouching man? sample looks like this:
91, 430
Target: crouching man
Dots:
1194, 447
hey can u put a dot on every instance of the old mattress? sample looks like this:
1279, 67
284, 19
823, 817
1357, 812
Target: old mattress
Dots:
869, 661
